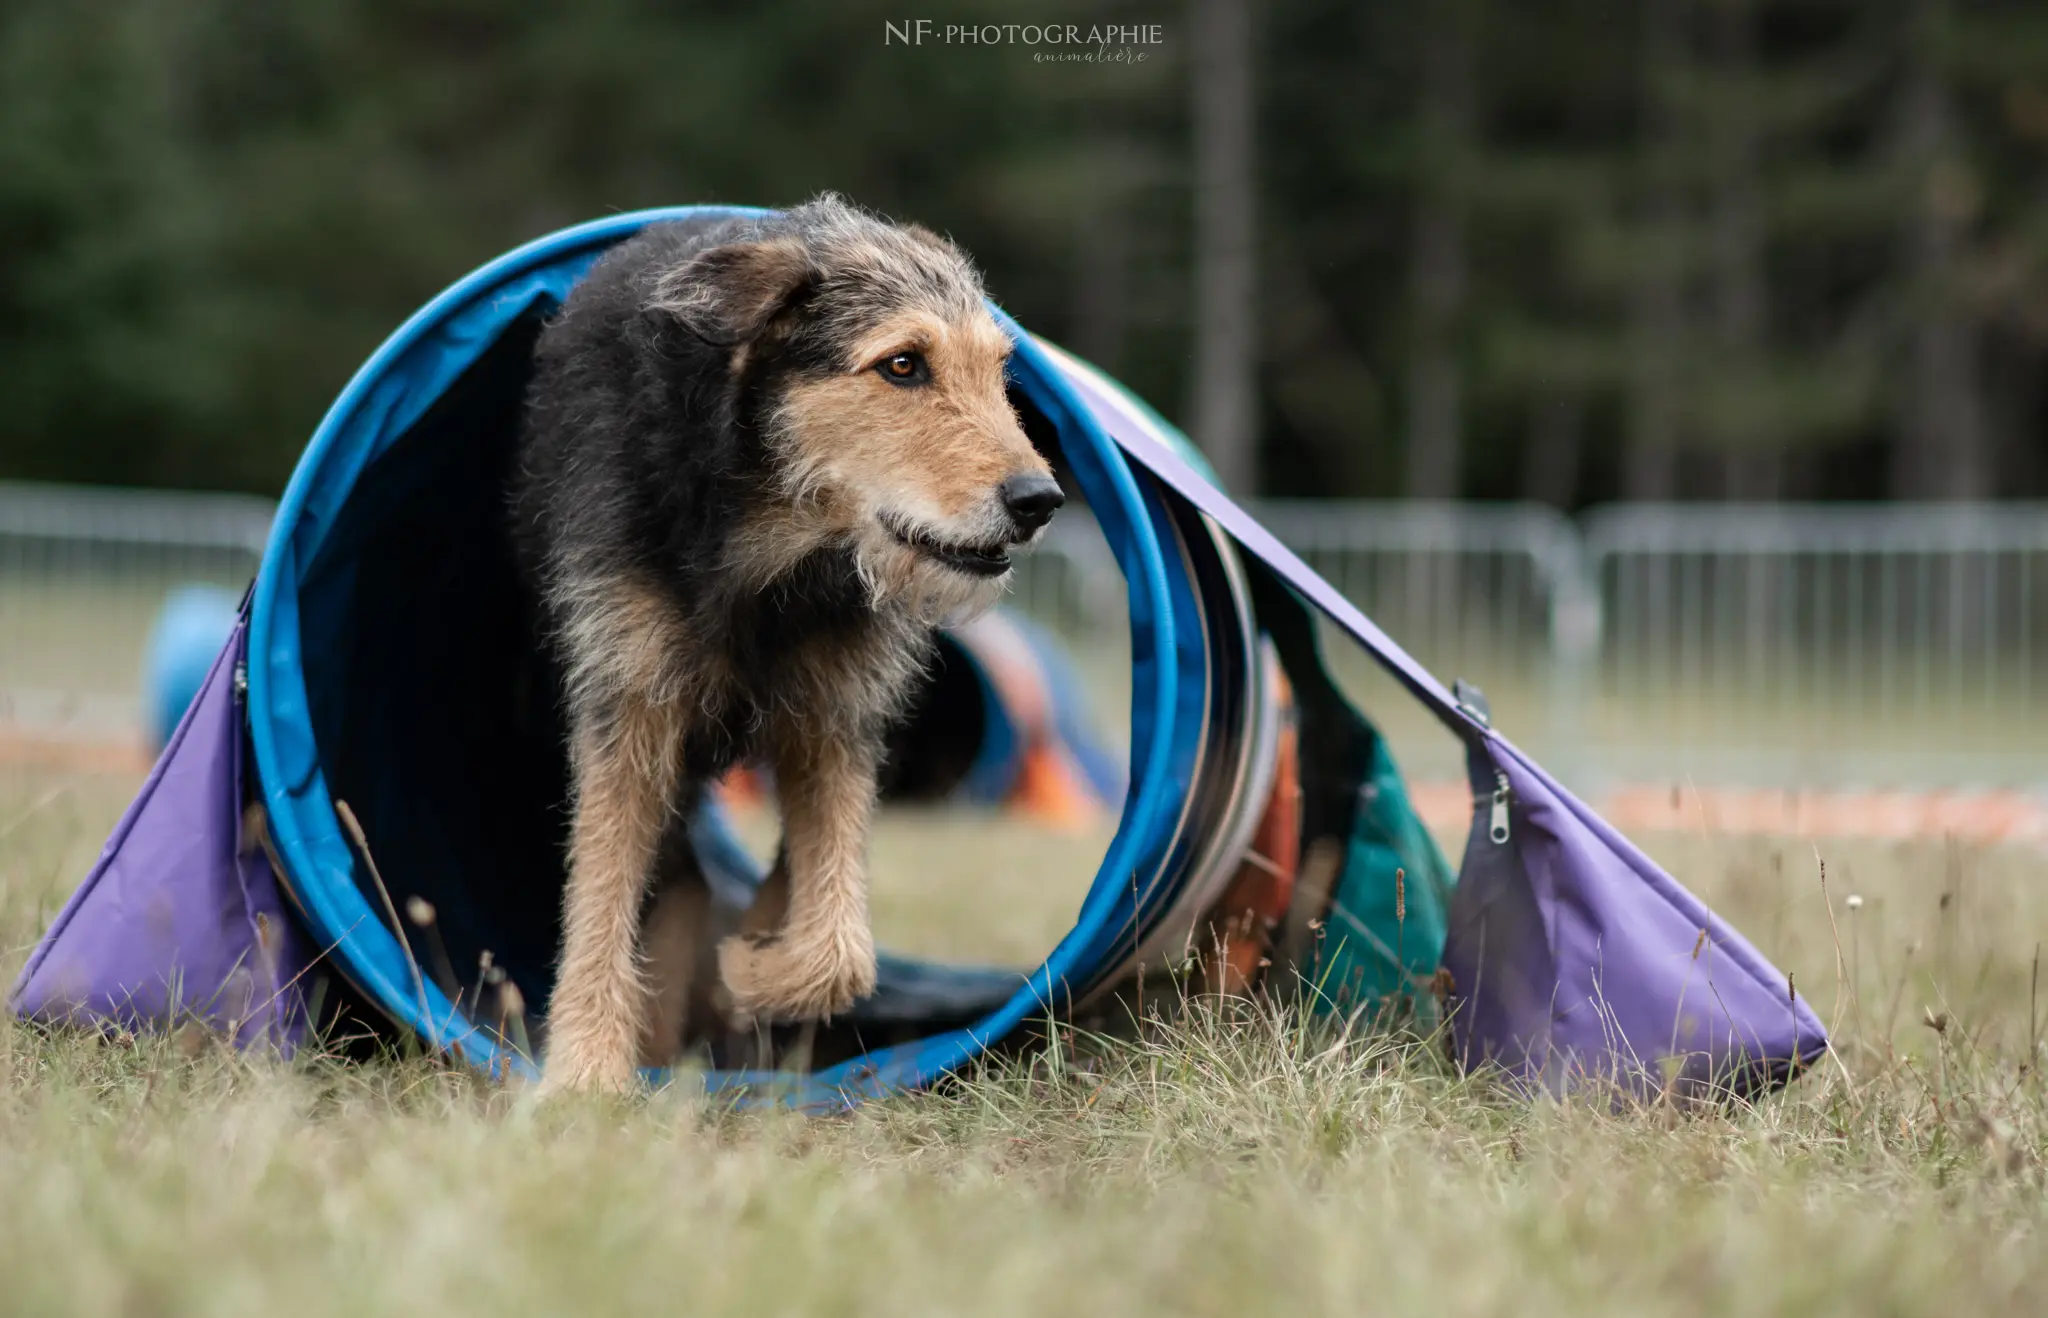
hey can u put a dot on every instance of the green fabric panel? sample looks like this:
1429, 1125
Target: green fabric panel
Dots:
1380, 946
1374, 948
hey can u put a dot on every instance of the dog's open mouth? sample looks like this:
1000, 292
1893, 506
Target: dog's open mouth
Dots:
974, 560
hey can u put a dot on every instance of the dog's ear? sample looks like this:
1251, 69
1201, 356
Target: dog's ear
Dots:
726, 295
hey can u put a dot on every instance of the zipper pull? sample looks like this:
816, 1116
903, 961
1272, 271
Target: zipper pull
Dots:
1497, 823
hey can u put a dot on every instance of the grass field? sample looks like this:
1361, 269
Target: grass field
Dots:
1239, 1162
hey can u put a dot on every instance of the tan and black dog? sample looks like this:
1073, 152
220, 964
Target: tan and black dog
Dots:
762, 460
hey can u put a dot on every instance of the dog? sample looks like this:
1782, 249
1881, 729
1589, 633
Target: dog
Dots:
762, 459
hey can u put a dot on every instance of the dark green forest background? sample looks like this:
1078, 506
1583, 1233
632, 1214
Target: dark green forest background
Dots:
1501, 248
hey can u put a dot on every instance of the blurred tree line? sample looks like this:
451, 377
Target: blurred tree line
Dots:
1571, 250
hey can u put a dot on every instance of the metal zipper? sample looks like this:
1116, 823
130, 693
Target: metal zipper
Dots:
1497, 822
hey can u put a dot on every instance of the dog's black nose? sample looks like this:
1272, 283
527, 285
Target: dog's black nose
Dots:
1032, 500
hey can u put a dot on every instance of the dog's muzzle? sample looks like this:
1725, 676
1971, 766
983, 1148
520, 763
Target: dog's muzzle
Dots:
973, 560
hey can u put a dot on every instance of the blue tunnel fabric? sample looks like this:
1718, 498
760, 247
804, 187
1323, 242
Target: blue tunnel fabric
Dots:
305, 644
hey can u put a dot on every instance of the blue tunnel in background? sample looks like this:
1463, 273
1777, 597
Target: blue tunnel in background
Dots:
183, 641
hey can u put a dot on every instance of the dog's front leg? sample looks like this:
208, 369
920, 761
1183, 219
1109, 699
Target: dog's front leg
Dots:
822, 957
626, 762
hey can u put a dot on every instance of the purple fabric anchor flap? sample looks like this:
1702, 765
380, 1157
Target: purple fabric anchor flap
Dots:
178, 920
1573, 956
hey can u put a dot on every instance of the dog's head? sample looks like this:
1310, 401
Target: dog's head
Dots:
880, 391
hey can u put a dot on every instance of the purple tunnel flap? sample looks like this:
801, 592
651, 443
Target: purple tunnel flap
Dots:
1575, 957
178, 919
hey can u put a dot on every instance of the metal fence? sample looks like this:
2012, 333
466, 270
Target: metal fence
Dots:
1776, 644
83, 573
1772, 645
1459, 584
1483, 592
1897, 642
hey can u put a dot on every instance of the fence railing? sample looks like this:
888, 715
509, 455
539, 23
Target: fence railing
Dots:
1925, 604
1765, 644
83, 572
1449, 579
1896, 641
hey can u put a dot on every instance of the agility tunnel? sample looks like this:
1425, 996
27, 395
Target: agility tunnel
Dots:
387, 659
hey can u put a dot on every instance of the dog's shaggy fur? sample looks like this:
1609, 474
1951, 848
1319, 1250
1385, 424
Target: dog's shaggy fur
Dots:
762, 460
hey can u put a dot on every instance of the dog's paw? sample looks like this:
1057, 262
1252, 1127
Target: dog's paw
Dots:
587, 1066
561, 1076
775, 979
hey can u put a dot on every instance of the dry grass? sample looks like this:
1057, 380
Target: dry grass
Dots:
1240, 1162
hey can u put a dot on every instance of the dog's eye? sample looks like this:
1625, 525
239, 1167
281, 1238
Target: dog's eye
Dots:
904, 368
